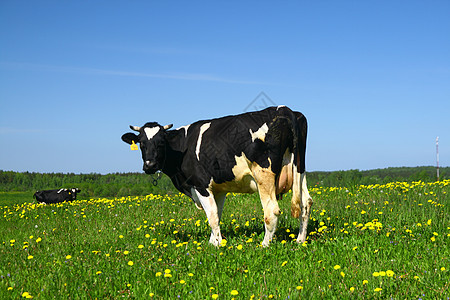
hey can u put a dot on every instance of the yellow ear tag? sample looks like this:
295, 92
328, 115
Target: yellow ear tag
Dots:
133, 146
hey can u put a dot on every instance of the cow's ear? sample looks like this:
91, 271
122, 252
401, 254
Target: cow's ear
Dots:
129, 138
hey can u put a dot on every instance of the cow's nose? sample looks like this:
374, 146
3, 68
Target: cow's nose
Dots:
149, 165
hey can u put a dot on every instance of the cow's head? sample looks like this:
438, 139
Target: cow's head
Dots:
73, 192
152, 140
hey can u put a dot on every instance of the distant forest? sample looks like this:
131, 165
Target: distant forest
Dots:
136, 184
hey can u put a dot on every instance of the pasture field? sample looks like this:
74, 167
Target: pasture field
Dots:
369, 242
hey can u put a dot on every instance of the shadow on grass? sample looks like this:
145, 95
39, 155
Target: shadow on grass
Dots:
254, 231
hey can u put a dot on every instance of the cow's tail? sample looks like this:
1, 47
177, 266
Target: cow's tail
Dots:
299, 189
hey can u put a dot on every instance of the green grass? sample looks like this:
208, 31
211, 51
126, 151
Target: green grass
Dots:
388, 241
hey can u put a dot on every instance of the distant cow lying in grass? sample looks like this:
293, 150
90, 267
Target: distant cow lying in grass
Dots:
261, 151
56, 196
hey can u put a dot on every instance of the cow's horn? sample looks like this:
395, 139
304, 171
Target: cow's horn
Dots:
135, 128
168, 126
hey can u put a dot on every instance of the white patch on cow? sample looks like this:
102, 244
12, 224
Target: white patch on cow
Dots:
151, 132
243, 181
186, 127
280, 106
260, 133
203, 128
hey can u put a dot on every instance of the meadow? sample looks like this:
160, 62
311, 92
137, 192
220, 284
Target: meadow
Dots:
365, 241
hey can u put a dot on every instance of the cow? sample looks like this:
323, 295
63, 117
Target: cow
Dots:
261, 151
56, 196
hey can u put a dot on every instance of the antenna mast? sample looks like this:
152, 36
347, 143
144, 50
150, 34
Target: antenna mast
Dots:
437, 158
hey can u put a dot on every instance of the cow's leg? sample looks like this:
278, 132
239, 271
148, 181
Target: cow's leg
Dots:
220, 201
265, 180
306, 203
211, 209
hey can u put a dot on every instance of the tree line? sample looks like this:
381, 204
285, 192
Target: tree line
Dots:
137, 184
91, 185
380, 176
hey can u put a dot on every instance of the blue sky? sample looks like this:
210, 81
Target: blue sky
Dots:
372, 77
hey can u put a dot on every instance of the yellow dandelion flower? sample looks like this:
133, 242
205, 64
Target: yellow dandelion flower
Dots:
284, 263
68, 256
442, 268
140, 246
158, 274
342, 274
390, 273
299, 287
365, 282
98, 272
382, 273
223, 243
239, 247
30, 257
337, 267
352, 289
249, 240
120, 236
126, 252
378, 290
130, 263
234, 293
375, 274
215, 296
182, 281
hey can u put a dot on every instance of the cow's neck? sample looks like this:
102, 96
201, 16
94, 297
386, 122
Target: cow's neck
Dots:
174, 153
175, 149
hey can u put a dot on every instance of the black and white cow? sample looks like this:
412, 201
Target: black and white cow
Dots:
56, 196
262, 151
